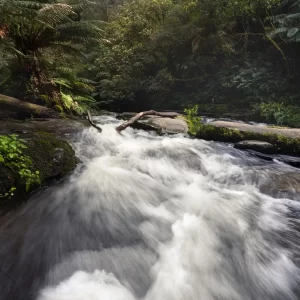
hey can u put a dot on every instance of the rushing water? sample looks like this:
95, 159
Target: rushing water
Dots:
156, 218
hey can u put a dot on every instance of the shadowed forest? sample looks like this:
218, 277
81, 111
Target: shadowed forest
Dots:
234, 58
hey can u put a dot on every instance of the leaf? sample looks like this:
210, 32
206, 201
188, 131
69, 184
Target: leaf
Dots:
292, 32
67, 100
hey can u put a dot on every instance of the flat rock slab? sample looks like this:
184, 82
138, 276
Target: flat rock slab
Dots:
289, 132
263, 147
168, 124
61, 128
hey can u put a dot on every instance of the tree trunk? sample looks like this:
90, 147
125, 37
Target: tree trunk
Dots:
146, 113
14, 108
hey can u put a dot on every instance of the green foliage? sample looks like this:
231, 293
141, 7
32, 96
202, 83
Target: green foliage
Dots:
160, 54
35, 35
12, 157
280, 113
287, 26
74, 91
194, 121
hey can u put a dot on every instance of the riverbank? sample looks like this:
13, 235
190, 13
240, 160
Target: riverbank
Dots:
48, 149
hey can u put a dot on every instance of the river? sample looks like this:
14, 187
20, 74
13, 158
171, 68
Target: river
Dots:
155, 218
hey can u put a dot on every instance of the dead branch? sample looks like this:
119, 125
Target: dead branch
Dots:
92, 123
145, 113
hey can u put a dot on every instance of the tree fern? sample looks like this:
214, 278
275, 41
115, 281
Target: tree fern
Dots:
29, 29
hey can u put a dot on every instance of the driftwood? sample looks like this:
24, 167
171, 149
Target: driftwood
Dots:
135, 118
145, 113
92, 123
12, 107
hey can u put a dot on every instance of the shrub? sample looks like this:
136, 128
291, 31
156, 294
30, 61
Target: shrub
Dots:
194, 121
12, 157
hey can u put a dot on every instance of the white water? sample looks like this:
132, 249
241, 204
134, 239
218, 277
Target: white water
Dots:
157, 218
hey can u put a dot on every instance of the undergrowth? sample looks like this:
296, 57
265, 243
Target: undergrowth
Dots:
12, 157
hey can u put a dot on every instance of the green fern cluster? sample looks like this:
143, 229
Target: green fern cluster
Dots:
75, 91
39, 33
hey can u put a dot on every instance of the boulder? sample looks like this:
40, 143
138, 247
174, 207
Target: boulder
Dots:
51, 156
167, 125
260, 146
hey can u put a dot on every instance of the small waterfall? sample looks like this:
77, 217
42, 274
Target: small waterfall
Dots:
155, 218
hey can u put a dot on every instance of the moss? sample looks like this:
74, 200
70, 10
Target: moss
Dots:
58, 108
283, 144
42, 150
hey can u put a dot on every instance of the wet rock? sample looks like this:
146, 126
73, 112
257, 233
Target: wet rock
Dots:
142, 125
7, 180
167, 125
283, 185
290, 160
260, 146
51, 156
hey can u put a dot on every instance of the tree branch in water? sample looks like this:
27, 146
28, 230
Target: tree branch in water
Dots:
92, 123
146, 113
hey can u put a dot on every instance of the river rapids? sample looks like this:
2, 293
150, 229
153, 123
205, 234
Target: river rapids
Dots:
148, 217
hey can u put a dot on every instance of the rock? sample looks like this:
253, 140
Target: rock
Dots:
282, 185
7, 180
51, 156
259, 146
290, 160
167, 125
142, 125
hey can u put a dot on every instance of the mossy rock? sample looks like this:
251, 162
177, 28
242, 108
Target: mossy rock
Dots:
7, 180
283, 144
52, 157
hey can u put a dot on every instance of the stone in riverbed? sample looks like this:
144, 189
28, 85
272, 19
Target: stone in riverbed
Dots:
260, 146
282, 185
167, 125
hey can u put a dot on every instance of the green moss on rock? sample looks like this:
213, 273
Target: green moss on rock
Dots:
51, 156
283, 144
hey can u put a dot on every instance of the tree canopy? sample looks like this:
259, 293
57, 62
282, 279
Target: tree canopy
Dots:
141, 54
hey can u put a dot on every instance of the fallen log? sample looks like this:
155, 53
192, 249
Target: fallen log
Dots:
145, 113
92, 123
12, 107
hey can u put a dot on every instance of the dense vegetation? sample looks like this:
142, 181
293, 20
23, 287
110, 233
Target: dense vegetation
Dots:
226, 56
12, 156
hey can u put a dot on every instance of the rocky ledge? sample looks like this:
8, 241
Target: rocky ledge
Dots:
260, 138
48, 147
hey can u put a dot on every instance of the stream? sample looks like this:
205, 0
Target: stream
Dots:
154, 217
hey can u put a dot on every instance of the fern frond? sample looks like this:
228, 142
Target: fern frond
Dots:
55, 13
86, 99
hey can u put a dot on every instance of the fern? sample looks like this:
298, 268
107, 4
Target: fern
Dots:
287, 26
